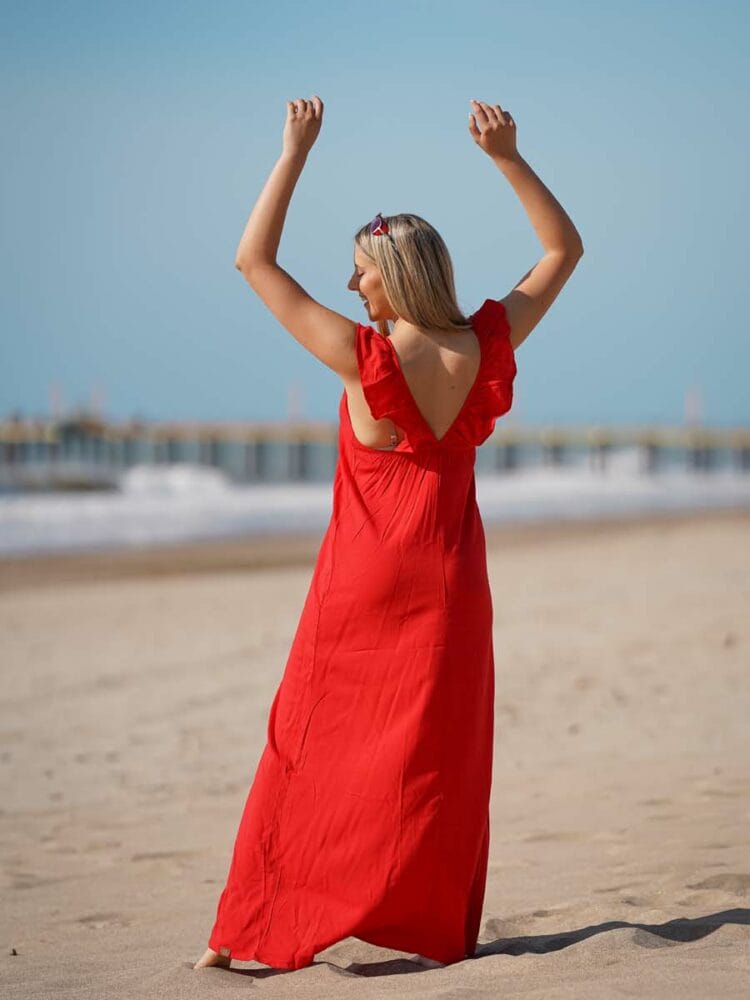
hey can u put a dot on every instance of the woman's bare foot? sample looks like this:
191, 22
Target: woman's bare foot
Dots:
212, 957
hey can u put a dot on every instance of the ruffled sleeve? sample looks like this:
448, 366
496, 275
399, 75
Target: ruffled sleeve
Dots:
376, 372
500, 368
493, 319
493, 396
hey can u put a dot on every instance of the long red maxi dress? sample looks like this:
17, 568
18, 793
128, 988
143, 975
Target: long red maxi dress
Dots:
369, 812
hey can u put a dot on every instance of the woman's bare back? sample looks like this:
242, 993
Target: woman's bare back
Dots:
439, 369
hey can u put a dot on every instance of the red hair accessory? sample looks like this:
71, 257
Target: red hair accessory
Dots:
378, 227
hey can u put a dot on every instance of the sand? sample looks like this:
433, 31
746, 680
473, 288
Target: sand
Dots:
136, 688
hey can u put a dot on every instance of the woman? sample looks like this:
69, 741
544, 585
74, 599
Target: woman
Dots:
369, 812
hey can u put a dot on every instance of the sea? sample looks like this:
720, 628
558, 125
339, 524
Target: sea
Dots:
156, 504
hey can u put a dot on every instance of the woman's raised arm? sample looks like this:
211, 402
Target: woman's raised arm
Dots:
494, 131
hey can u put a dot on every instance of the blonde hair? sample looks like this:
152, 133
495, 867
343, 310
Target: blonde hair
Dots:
417, 273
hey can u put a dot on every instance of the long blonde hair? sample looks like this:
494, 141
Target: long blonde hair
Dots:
417, 273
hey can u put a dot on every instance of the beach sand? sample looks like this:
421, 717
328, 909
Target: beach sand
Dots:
136, 687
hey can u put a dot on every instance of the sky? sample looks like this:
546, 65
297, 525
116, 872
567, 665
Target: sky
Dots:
138, 136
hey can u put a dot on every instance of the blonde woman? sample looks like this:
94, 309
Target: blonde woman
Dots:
368, 815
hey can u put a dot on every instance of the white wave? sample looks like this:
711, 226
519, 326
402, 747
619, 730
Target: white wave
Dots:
187, 502
173, 480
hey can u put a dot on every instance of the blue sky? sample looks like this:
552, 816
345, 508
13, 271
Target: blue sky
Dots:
138, 136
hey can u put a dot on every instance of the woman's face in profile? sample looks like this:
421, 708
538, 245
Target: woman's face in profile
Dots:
366, 281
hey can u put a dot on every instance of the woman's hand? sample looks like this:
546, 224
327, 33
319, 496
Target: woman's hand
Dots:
498, 135
303, 121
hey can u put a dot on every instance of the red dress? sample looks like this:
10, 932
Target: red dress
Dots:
369, 812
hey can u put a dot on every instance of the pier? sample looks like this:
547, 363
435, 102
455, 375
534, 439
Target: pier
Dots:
84, 452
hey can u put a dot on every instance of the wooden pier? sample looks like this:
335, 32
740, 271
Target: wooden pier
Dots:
85, 452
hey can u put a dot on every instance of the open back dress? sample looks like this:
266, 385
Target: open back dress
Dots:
368, 815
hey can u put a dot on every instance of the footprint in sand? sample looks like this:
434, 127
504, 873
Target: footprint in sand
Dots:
509, 710
178, 859
722, 793
102, 845
97, 921
29, 880
738, 883
554, 835
617, 888
516, 924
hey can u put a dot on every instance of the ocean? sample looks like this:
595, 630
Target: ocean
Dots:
186, 502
